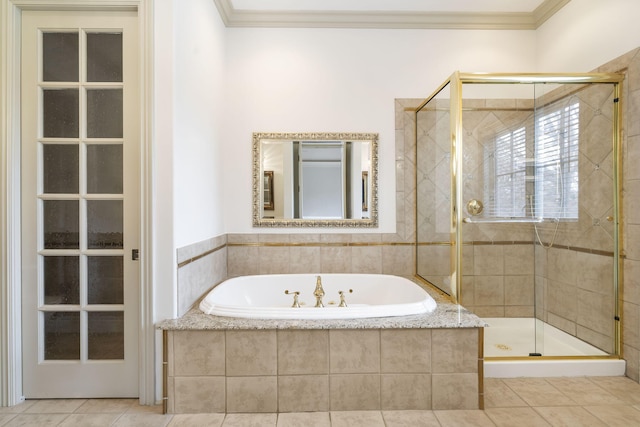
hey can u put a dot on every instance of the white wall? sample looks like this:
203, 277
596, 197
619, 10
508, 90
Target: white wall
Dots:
197, 104
188, 79
305, 80
164, 264
586, 34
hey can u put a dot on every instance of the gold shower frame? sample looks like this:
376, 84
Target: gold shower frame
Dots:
456, 80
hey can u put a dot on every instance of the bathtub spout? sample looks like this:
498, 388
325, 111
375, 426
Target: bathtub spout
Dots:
319, 292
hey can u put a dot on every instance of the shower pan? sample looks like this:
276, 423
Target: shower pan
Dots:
518, 209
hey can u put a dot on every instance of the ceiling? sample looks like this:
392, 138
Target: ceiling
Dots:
440, 14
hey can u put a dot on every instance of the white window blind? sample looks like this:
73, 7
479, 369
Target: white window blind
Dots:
509, 172
555, 173
556, 156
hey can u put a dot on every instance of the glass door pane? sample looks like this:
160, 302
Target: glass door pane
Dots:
575, 194
433, 164
499, 266
60, 60
82, 196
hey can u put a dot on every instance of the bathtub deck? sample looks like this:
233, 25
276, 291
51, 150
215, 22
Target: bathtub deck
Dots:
446, 315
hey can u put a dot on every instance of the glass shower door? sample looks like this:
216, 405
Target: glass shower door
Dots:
498, 267
433, 198
538, 189
575, 170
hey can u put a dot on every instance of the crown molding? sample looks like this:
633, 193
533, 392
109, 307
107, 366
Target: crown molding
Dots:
393, 20
78, 5
547, 9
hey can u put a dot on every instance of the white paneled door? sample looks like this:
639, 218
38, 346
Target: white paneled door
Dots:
80, 204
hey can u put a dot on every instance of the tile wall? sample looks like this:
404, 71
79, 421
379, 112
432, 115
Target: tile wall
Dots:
321, 253
238, 371
200, 267
630, 292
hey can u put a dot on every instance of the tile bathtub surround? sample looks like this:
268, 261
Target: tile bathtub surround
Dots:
318, 370
250, 254
201, 266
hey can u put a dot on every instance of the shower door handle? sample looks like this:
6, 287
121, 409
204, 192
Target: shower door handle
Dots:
474, 207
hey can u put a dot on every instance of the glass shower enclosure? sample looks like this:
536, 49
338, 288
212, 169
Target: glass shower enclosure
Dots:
518, 208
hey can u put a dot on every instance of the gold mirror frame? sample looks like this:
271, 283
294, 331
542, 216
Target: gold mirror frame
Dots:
370, 222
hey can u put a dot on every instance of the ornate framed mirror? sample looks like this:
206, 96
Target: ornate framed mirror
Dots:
315, 179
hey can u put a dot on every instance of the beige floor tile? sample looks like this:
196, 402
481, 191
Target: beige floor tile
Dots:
145, 409
569, 416
89, 420
508, 403
356, 419
616, 416
622, 387
55, 406
463, 418
498, 395
36, 420
584, 392
6, 417
16, 409
538, 392
410, 419
250, 420
197, 420
521, 417
106, 406
306, 419
142, 420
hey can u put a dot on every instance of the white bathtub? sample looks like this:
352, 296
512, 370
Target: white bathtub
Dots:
263, 297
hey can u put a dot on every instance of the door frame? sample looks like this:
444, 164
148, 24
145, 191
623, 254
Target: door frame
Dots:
11, 392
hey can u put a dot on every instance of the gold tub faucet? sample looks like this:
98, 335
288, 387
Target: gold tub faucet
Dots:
319, 292
343, 302
296, 303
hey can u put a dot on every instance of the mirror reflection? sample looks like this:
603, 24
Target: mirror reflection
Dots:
315, 179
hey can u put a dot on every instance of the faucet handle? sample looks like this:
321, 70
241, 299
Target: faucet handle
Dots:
296, 303
343, 303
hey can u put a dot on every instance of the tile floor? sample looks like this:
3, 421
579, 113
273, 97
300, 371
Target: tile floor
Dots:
580, 401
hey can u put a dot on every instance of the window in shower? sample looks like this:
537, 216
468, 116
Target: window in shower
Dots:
509, 164
556, 163
509, 173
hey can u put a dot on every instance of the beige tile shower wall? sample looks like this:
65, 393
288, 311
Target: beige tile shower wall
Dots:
575, 294
499, 280
323, 370
630, 65
201, 266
